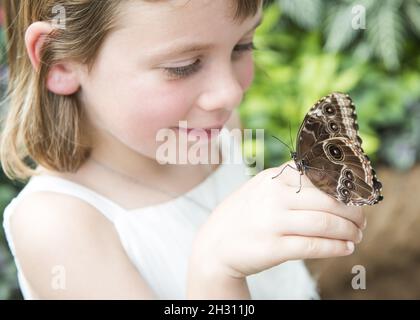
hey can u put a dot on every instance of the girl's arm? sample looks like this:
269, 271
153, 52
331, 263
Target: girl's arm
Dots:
68, 250
208, 281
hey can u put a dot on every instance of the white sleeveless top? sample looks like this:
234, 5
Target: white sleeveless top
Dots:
158, 239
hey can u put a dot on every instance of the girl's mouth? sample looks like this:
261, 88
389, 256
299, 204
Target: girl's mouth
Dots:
201, 133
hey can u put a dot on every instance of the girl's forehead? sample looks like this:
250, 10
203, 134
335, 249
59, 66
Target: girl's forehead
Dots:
165, 30
177, 13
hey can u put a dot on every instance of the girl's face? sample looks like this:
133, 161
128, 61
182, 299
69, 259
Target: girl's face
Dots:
144, 78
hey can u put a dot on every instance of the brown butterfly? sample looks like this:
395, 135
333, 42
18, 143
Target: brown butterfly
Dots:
329, 152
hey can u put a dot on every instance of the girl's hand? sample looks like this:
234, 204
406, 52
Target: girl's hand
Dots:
265, 223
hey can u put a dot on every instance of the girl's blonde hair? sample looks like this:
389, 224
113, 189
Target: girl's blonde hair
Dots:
42, 127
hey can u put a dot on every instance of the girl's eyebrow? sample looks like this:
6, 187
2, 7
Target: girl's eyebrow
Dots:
174, 50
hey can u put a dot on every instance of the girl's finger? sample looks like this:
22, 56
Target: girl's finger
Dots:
318, 224
298, 247
309, 197
287, 174
316, 200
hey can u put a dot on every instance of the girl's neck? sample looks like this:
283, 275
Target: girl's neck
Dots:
178, 179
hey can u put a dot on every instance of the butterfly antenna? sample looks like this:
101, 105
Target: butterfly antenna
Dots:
288, 147
290, 135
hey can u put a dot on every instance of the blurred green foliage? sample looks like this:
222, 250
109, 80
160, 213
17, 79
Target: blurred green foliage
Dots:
388, 25
294, 70
8, 280
2, 48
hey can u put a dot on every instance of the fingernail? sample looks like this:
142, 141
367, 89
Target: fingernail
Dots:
350, 246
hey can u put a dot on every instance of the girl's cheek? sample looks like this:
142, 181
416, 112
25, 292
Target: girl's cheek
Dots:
167, 107
159, 107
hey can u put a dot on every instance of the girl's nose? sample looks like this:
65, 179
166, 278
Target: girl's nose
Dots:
222, 90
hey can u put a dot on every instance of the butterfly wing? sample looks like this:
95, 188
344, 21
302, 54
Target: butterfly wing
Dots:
339, 167
331, 154
332, 116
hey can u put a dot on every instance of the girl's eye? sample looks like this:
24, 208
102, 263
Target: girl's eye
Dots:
244, 47
185, 71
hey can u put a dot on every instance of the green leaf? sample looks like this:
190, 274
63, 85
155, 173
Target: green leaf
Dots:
412, 11
386, 34
339, 31
306, 13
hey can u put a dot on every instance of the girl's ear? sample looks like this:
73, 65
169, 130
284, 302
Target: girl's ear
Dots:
62, 78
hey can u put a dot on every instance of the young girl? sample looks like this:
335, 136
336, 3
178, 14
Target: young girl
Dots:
92, 82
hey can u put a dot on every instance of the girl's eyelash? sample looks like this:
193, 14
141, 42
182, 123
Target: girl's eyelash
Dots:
185, 71
245, 47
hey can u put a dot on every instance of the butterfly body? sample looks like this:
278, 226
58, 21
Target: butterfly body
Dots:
329, 152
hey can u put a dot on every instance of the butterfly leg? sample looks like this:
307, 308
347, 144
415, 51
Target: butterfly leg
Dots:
300, 183
283, 170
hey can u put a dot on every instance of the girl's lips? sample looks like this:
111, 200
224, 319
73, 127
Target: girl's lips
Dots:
209, 133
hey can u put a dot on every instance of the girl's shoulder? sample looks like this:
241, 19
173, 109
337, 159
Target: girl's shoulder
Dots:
49, 202
56, 234
52, 217
50, 210
50, 206
49, 187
